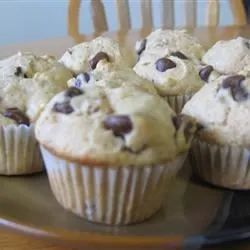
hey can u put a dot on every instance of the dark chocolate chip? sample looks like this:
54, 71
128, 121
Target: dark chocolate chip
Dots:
247, 45
142, 47
232, 81
97, 58
205, 72
73, 91
81, 79
163, 64
17, 115
70, 51
63, 107
18, 71
179, 55
119, 124
238, 92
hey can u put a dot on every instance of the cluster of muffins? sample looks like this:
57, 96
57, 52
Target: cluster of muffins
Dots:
113, 135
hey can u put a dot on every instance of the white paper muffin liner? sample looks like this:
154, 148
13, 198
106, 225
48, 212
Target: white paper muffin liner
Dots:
19, 151
177, 102
109, 195
225, 166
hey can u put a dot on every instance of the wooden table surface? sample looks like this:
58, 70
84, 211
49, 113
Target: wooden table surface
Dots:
10, 240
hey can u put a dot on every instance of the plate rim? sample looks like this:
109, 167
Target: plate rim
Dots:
93, 239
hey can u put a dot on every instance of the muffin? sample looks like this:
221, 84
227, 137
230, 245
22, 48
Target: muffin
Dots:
170, 59
220, 152
27, 83
162, 42
86, 56
110, 152
229, 57
175, 78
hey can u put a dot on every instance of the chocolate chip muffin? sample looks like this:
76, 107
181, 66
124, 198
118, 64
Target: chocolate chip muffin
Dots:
101, 53
220, 153
229, 57
162, 42
106, 145
27, 83
175, 76
170, 59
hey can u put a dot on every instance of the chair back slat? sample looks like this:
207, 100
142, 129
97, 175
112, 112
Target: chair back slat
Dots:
98, 16
73, 17
212, 15
123, 15
167, 13
190, 13
146, 14
238, 11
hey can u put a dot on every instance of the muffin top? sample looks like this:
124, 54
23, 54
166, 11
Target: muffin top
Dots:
171, 74
229, 57
112, 79
86, 56
28, 82
164, 42
112, 126
24, 65
222, 108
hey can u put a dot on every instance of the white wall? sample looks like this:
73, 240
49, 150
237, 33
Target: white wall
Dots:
26, 20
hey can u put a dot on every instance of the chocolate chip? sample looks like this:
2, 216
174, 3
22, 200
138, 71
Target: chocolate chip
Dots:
19, 72
17, 115
142, 47
70, 51
97, 58
81, 79
63, 107
247, 45
119, 124
205, 72
179, 55
238, 92
232, 81
163, 64
73, 91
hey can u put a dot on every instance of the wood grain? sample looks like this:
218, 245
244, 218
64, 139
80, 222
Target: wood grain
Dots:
167, 16
212, 13
12, 241
123, 14
191, 13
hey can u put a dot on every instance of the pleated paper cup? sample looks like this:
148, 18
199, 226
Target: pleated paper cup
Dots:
177, 102
19, 151
109, 195
225, 166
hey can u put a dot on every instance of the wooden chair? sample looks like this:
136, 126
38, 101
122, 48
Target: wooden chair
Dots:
166, 13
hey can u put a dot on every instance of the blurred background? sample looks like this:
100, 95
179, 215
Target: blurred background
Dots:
29, 20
